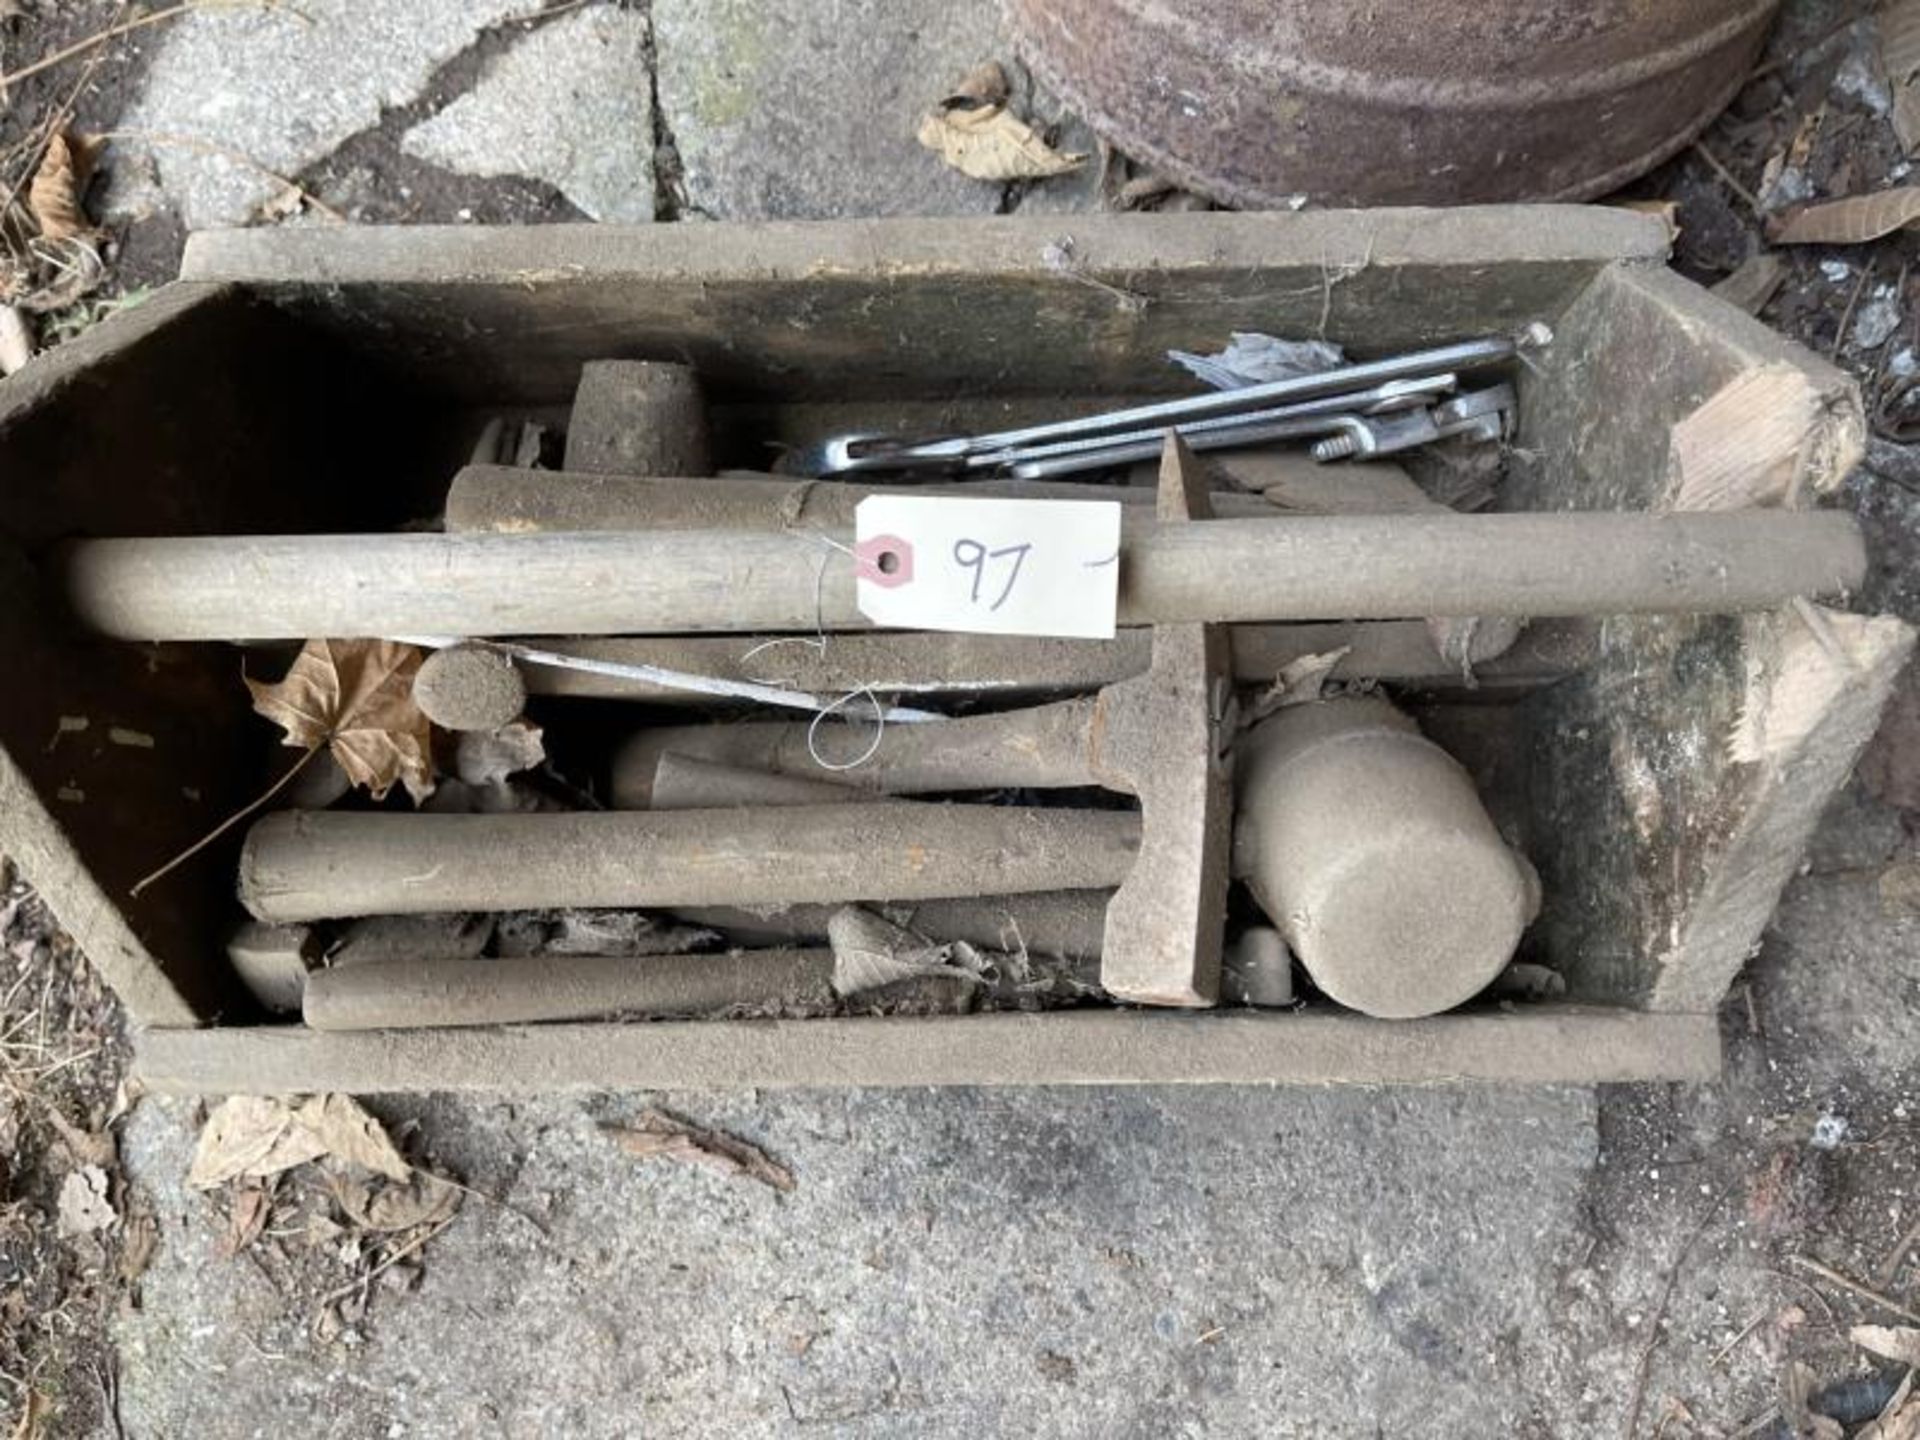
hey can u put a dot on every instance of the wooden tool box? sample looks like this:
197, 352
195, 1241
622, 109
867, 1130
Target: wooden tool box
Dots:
328, 379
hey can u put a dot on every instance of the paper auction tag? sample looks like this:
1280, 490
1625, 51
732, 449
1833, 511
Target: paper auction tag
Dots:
989, 566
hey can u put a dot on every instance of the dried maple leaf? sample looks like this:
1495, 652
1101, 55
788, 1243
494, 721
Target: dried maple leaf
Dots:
356, 698
58, 184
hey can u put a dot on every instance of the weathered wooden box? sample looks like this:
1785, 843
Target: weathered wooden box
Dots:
328, 379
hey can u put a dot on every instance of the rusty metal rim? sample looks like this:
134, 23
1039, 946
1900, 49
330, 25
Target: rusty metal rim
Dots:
1473, 94
1243, 197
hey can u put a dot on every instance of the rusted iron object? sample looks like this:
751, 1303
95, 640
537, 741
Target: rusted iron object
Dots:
1274, 103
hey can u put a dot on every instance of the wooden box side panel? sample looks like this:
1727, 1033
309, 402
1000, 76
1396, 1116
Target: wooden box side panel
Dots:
200, 411
920, 308
1560, 1044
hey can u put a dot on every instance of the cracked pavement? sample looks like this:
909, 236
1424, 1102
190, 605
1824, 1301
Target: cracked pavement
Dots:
481, 111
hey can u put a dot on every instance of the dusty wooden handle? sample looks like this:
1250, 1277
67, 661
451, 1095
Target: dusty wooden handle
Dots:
1043, 748
430, 992
1325, 567
309, 865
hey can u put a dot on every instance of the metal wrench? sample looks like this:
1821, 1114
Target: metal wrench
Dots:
1203, 434
846, 454
1304, 422
1479, 414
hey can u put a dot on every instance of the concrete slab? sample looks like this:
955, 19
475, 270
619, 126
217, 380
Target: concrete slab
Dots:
790, 109
1039, 1263
571, 103
279, 87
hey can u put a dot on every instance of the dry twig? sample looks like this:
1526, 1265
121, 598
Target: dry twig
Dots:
1645, 1364
1726, 177
1853, 303
112, 32
222, 152
1834, 1277
226, 824
1890, 1266
393, 1257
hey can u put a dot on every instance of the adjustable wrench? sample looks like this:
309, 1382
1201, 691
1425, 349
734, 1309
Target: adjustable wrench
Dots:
1479, 414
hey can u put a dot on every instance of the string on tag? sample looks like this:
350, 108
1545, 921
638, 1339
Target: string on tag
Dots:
818, 640
873, 747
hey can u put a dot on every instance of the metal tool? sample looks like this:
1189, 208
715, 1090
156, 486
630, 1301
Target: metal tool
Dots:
1378, 423
1260, 427
845, 454
1480, 415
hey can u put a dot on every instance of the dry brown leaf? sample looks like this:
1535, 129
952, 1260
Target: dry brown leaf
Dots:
84, 1207
1299, 682
422, 1200
248, 1135
487, 757
246, 1219
658, 1135
991, 143
85, 1146
1889, 1342
284, 204
1853, 221
58, 184
255, 1137
356, 698
1899, 23
348, 1133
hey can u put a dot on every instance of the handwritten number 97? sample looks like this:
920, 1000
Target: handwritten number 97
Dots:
972, 555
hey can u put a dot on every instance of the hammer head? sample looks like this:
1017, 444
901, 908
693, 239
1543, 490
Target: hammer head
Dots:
1162, 735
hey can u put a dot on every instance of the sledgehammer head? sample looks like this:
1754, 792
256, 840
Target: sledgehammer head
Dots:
1162, 735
